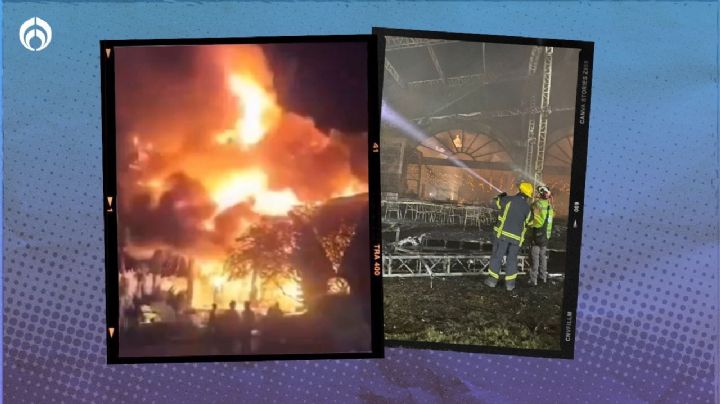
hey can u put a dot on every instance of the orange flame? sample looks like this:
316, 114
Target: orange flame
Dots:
238, 152
259, 110
354, 187
252, 185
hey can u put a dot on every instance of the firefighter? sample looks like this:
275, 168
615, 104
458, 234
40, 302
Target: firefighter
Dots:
509, 232
540, 231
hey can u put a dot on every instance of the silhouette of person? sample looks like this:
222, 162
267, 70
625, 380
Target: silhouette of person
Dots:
138, 315
211, 329
272, 325
228, 327
248, 321
212, 321
274, 312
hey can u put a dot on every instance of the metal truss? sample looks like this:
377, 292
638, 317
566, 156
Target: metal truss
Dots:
396, 42
418, 265
534, 58
459, 81
455, 81
530, 145
492, 114
436, 63
544, 115
393, 72
529, 153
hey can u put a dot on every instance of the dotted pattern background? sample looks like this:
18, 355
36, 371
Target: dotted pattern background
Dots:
648, 310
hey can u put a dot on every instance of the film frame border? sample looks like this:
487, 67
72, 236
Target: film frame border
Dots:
110, 216
577, 184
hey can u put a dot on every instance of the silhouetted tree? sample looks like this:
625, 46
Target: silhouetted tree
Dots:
310, 260
263, 251
289, 247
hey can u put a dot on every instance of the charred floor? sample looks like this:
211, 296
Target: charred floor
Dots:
463, 311
434, 291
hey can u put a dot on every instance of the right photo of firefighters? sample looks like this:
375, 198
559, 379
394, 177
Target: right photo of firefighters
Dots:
476, 155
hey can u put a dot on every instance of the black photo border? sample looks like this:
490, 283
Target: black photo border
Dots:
107, 84
577, 184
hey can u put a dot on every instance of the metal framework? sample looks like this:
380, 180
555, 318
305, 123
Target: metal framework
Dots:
544, 115
418, 265
455, 81
531, 139
534, 58
393, 72
397, 42
436, 63
487, 165
492, 114
458, 81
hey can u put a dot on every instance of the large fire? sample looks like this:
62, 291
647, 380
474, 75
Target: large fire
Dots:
252, 185
213, 152
258, 112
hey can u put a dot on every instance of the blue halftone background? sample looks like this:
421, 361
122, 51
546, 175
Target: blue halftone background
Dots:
648, 308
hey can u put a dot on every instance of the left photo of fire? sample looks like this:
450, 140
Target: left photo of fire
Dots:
237, 200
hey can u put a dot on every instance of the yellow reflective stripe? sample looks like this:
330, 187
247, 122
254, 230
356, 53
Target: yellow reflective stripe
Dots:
528, 222
497, 202
551, 214
511, 277
512, 236
502, 220
493, 274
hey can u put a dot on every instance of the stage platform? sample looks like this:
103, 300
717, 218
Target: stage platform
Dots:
406, 264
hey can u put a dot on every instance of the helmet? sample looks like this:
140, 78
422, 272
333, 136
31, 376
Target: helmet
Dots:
543, 191
526, 189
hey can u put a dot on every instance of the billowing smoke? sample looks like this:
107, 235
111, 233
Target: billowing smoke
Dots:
205, 149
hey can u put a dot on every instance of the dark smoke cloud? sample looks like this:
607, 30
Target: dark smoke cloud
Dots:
357, 145
231, 220
181, 216
325, 81
177, 217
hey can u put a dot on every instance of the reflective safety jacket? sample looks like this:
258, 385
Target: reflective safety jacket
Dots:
513, 217
543, 214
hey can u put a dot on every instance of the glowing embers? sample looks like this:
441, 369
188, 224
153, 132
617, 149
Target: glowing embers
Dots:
338, 286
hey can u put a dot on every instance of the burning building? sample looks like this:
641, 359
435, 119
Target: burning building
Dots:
209, 155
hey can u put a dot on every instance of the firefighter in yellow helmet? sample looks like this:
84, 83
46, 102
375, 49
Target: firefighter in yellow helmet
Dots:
540, 231
509, 234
